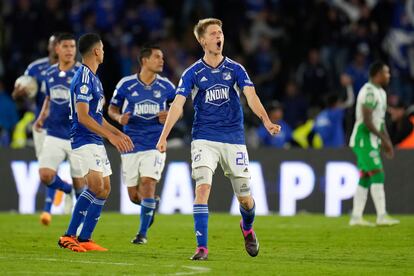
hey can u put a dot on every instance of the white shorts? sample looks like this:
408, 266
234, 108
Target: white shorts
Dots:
55, 151
93, 157
149, 163
38, 139
233, 158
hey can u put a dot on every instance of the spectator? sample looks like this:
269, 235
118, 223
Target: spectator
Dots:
329, 123
313, 78
400, 125
8, 117
283, 139
295, 106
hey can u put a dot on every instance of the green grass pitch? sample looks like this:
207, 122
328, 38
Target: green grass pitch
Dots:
300, 245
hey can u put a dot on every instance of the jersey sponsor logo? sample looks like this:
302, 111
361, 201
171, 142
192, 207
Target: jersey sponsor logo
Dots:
99, 107
157, 93
226, 76
84, 89
217, 95
59, 94
146, 109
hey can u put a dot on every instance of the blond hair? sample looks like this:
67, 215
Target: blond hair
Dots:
201, 27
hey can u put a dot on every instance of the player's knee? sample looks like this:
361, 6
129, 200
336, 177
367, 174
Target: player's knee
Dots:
147, 186
133, 195
246, 202
241, 186
203, 175
46, 175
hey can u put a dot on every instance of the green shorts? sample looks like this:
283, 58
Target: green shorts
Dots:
368, 159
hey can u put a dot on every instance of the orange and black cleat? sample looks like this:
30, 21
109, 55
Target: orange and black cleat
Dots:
90, 245
71, 243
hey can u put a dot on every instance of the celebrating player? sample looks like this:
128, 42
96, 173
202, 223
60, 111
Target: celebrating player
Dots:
143, 98
88, 128
215, 83
37, 70
368, 136
56, 110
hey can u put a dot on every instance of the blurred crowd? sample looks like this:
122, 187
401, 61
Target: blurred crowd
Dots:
307, 58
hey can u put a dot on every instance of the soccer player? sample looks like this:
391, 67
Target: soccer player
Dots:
37, 70
215, 83
87, 129
368, 136
56, 110
143, 99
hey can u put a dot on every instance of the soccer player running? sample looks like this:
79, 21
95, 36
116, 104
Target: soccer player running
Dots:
368, 136
37, 70
143, 99
215, 83
56, 110
87, 129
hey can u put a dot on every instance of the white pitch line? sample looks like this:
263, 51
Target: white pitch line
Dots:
67, 260
196, 270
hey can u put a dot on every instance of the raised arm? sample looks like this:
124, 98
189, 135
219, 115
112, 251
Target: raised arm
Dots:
256, 106
176, 109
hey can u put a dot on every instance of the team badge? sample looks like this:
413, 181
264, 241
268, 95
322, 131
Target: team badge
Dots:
226, 76
68, 80
157, 93
84, 89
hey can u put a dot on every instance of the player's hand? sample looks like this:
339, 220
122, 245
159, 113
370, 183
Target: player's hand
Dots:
121, 142
388, 149
162, 145
272, 128
162, 116
124, 118
38, 125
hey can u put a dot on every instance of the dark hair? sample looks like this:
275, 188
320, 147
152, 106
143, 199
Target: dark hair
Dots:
146, 51
331, 99
375, 68
64, 36
87, 41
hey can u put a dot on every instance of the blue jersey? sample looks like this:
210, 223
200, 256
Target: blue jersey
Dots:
144, 102
37, 69
58, 89
216, 99
329, 125
86, 88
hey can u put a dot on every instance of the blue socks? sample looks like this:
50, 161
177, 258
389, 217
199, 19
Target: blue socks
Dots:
50, 196
58, 184
80, 210
248, 217
200, 213
91, 218
147, 212
78, 192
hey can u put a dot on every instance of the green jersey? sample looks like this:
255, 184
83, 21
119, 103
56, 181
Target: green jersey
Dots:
375, 98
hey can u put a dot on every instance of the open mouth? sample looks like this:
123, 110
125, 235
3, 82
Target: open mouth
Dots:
219, 44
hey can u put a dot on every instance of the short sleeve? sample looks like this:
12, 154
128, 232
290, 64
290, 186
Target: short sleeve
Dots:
118, 97
369, 99
83, 92
170, 92
242, 78
45, 86
186, 84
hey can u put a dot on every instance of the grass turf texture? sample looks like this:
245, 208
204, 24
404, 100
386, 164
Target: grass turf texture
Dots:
305, 244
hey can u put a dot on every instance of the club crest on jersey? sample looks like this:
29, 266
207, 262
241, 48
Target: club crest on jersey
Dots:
146, 109
217, 95
157, 93
84, 89
226, 76
59, 94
